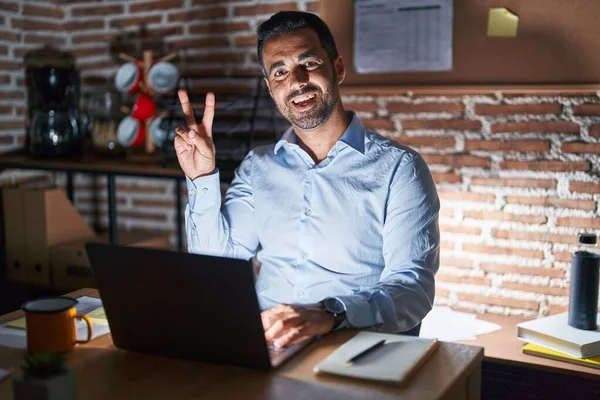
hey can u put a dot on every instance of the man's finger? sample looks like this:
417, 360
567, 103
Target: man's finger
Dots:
209, 113
187, 110
181, 146
282, 325
184, 135
288, 337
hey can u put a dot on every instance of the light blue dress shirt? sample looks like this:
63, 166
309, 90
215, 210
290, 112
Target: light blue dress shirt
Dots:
360, 226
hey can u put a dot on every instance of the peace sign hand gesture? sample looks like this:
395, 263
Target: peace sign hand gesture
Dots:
194, 146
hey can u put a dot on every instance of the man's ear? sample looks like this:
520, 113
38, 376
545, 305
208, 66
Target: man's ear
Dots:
340, 69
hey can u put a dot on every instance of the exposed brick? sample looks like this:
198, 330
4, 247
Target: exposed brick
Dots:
361, 107
198, 15
83, 25
587, 205
3, 50
585, 187
11, 95
556, 309
10, 36
155, 5
439, 142
6, 139
204, 2
563, 256
504, 216
594, 130
499, 301
555, 166
4, 125
5, 109
410, 108
510, 109
580, 147
103, 202
88, 51
446, 177
170, 203
43, 39
441, 293
441, 124
5, 6
508, 145
219, 27
457, 160
246, 41
30, 10
537, 127
128, 187
97, 10
97, 65
534, 236
447, 244
573, 222
466, 230
216, 58
503, 251
200, 43
134, 21
513, 269
467, 196
378, 124
34, 25
314, 7
514, 182
94, 38
473, 280
265, 9
548, 290
587, 109
459, 262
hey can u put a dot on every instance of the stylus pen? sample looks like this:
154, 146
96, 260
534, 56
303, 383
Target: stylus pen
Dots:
366, 351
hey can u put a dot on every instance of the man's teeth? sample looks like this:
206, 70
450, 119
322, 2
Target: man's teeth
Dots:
303, 98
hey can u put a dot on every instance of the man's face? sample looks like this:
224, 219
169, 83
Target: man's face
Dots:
301, 79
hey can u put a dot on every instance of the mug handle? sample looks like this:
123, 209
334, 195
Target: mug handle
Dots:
88, 322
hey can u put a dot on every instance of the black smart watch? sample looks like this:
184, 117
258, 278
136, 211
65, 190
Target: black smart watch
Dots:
335, 307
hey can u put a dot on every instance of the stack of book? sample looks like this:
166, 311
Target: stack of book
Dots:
552, 337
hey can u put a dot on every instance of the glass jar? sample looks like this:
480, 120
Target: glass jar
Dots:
105, 115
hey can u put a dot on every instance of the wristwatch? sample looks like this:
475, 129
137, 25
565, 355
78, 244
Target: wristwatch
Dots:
335, 307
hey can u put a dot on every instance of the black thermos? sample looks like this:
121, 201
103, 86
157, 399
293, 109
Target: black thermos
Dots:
583, 294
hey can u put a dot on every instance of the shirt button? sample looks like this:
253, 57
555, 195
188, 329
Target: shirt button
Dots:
305, 256
308, 212
301, 294
205, 190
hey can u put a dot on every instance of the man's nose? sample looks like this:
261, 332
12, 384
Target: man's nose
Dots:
300, 76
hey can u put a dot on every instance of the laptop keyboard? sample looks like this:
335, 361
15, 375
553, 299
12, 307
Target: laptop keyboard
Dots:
275, 351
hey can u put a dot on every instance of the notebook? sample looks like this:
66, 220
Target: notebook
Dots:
555, 333
394, 361
535, 350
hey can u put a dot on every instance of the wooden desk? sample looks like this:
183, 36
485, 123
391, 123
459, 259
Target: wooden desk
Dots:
104, 372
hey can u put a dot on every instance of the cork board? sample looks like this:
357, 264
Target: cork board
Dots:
558, 42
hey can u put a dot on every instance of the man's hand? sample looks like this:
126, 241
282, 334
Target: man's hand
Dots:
194, 146
292, 324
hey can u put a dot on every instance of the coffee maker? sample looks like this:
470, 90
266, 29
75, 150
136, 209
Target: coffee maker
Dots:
54, 126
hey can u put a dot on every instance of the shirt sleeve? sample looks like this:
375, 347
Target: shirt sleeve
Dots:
228, 231
405, 292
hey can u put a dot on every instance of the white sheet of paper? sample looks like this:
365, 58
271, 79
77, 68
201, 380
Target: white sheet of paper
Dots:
402, 35
445, 324
17, 338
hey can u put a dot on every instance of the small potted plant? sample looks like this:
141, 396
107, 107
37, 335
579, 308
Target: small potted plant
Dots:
45, 377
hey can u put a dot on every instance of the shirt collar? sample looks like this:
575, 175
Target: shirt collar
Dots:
354, 135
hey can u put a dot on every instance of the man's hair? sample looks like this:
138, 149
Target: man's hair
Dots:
287, 21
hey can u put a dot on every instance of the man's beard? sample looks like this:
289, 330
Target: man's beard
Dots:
314, 117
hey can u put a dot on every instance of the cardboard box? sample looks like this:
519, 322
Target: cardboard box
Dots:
14, 233
71, 266
50, 218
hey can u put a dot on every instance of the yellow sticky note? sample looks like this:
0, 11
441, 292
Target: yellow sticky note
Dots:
98, 316
17, 324
502, 22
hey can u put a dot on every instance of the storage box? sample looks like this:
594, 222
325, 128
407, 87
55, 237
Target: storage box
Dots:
14, 233
70, 264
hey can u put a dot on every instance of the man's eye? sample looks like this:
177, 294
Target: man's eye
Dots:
279, 73
310, 64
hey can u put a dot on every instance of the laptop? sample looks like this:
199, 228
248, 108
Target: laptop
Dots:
183, 305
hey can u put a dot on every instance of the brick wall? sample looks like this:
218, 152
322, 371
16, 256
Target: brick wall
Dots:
517, 171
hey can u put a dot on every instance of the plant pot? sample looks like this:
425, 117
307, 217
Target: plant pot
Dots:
59, 387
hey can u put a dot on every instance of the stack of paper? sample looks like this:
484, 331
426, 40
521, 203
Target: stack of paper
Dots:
13, 334
552, 337
448, 325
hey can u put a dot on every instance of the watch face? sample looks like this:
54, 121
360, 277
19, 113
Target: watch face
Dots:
333, 305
